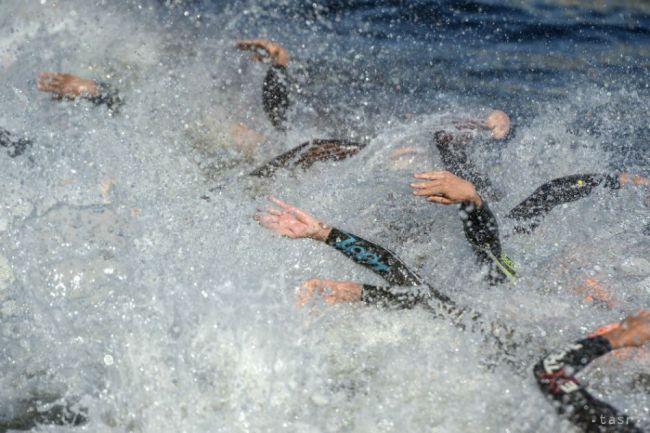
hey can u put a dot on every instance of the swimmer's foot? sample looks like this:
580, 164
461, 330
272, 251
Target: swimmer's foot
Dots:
264, 50
66, 85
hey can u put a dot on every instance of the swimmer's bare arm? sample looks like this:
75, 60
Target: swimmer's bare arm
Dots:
273, 51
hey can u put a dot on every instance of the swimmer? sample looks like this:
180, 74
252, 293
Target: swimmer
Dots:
275, 90
70, 86
462, 174
405, 288
479, 223
275, 101
307, 154
15, 146
555, 375
530, 212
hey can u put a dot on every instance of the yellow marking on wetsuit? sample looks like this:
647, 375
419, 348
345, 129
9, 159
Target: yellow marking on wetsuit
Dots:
505, 260
504, 264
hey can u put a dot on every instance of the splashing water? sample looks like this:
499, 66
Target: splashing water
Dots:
136, 289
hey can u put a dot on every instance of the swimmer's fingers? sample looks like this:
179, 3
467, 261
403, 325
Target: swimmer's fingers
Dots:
423, 185
301, 215
440, 200
45, 82
431, 175
255, 44
272, 211
257, 57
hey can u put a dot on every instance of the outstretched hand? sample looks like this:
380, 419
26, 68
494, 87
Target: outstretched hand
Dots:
329, 291
272, 50
444, 187
65, 85
633, 331
287, 220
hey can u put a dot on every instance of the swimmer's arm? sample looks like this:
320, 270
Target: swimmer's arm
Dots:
107, 95
482, 232
555, 374
71, 86
275, 52
565, 190
454, 157
372, 256
330, 291
480, 225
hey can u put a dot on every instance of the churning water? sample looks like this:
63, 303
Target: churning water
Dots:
136, 288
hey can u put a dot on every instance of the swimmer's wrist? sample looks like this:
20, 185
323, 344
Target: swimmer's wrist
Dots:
475, 199
322, 233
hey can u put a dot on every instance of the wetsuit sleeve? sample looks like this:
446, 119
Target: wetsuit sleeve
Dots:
555, 375
374, 257
530, 212
454, 158
107, 95
482, 232
388, 266
275, 95
391, 297
15, 146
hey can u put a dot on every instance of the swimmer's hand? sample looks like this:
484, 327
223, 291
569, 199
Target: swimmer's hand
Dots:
625, 178
287, 220
444, 187
329, 291
498, 123
634, 331
66, 85
272, 51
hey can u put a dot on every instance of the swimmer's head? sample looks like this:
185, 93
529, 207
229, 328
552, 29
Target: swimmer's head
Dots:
498, 123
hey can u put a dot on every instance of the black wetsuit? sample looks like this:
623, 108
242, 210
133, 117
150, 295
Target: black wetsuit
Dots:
107, 95
528, 214
306, 154
555, 375
406, 289
15, 146
275, 95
